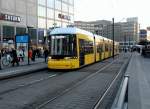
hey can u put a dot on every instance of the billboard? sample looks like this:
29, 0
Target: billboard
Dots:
22, 38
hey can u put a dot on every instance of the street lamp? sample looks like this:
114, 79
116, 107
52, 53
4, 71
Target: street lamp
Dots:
113, 35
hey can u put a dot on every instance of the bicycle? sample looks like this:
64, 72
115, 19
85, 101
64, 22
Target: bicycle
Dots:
6, 60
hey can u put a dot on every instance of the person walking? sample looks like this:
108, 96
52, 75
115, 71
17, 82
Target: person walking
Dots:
15, 58
33, 54
46, 54
30, 54
20, 55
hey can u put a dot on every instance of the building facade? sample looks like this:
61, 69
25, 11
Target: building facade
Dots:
35, 17
127, 33
100, 27
130, 33
144, 35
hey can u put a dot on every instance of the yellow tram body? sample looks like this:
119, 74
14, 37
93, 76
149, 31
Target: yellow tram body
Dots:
72, 48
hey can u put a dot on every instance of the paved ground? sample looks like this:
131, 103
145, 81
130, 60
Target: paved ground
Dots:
139, 82
23, 68
25, 62
30, 91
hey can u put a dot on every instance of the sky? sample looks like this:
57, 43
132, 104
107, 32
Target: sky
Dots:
90, 10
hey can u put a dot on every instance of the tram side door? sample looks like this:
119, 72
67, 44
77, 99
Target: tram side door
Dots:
81, 52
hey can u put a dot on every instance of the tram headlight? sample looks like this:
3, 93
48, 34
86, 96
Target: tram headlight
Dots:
67, 58
49, 58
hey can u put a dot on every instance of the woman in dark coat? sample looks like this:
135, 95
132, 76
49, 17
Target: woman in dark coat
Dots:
15, 58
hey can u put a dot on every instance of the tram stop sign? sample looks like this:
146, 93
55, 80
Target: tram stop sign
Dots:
22, 38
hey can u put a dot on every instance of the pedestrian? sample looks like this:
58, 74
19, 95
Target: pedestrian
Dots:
20, 55
15, 58
30, 54
46, 54
33, 54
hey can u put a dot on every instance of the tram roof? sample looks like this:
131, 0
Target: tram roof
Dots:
98, 36
69, 30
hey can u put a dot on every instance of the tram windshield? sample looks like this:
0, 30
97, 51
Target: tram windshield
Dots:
63, 45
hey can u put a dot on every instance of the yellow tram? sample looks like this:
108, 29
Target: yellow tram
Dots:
72, 48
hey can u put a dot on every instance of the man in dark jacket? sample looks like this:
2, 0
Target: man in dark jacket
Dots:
46, 54
15, 58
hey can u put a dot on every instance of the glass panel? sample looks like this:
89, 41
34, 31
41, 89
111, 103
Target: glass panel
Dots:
42, 2
50, 3
71, 2
64, 7
63, 45
71, 9
50, 23
40, 34
41, 23
41, 11
64, 24
71, 18
56, 15
20, 31
58, 24
50, 13
58, 5
8, 31
65, 0
32, 33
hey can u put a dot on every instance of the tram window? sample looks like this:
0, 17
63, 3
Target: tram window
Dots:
99, 48
106, 47
64, 45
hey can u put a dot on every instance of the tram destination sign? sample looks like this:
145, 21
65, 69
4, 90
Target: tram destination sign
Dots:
8, 17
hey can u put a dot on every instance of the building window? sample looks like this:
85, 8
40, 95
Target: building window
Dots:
71, 10
42, 2
71, 2
40, 35
71, 18
58, 5
50, 13
41, 11
50, 3
8, 32
41, 23
65, 1
64, 7
20, 31
50, 23
32, 33
56, 15
64, 24
58, 24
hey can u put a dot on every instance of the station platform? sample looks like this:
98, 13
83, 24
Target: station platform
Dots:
139, 82
22, 69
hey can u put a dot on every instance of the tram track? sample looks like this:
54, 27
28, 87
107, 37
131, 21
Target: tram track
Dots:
53, 94
72, 87
31, 82
24, 81
99, 102
26, 84
68, 90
